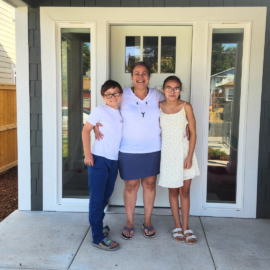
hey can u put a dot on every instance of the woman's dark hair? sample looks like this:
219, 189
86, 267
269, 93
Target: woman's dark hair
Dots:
141, 63
110, 84
173, 78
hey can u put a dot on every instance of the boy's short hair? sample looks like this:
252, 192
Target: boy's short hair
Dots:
110, 84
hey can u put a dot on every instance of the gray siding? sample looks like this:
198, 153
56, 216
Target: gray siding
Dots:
35, 108
263, 202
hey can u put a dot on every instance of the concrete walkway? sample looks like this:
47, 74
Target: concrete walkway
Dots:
57, 240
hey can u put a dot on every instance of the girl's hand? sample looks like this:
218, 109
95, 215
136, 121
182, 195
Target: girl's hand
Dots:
89, 160
98, 134
188, 163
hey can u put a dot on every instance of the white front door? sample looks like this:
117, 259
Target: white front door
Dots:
168, 50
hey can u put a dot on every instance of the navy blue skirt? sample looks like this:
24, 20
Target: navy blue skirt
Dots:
137, 166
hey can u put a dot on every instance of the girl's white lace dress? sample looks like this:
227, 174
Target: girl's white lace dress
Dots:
174, 150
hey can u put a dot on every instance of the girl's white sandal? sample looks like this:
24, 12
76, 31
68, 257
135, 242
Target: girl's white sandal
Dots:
175, 234
190, 236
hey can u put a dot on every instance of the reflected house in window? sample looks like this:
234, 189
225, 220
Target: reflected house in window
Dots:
221, 88
222, 78
227, 90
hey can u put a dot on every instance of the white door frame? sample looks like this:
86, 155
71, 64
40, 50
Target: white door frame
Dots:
201, 19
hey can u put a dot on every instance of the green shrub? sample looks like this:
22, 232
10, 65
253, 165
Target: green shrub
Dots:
217, 154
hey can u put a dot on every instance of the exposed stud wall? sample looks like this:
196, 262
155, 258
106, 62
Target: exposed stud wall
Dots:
263, 204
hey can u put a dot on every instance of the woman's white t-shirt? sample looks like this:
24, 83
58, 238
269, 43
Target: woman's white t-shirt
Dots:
112, 122
141, 135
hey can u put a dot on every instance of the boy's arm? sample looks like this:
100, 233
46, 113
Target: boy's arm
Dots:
88, 160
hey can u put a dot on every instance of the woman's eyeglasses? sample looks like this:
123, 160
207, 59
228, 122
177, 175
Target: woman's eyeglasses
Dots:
111, 95
175, 90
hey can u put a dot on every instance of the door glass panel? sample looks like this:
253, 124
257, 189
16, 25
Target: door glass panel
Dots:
76, 100
133, 52
168, 49
224, 111
150, 52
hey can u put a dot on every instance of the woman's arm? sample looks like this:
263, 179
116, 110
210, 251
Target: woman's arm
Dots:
192, 135
88, 160
98, 134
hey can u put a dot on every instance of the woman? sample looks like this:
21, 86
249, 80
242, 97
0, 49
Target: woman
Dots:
139, 156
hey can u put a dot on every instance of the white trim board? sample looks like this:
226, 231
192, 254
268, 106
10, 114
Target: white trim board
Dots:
200, 18
23, 109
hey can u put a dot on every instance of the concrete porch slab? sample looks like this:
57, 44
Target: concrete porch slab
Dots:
161, 252
41, 240
57, 240
238, 244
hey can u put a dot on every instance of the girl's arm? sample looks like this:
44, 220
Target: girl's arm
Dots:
192, 135
88, 160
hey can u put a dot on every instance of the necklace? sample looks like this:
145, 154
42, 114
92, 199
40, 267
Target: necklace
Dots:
136, 100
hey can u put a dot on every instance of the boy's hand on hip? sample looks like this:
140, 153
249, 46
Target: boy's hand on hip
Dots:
89, 160
98, 134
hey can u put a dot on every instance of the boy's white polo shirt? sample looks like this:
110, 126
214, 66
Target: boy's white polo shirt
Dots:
112, 122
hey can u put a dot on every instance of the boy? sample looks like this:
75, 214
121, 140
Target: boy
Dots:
103, 161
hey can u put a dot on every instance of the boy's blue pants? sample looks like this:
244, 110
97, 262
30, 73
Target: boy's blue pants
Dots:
101, 180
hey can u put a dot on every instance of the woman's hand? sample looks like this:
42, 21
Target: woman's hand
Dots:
187, 132
89, 160
98, 134
188, 163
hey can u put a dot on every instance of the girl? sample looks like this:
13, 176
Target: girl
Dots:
178, 160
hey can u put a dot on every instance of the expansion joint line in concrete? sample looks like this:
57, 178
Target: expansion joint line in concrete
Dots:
208, 245
78, 248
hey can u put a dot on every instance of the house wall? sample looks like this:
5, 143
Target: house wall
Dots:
7, 43
263, 203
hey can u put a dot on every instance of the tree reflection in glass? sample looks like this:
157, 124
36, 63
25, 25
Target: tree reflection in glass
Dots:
168, 54
150, 52
133, 52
